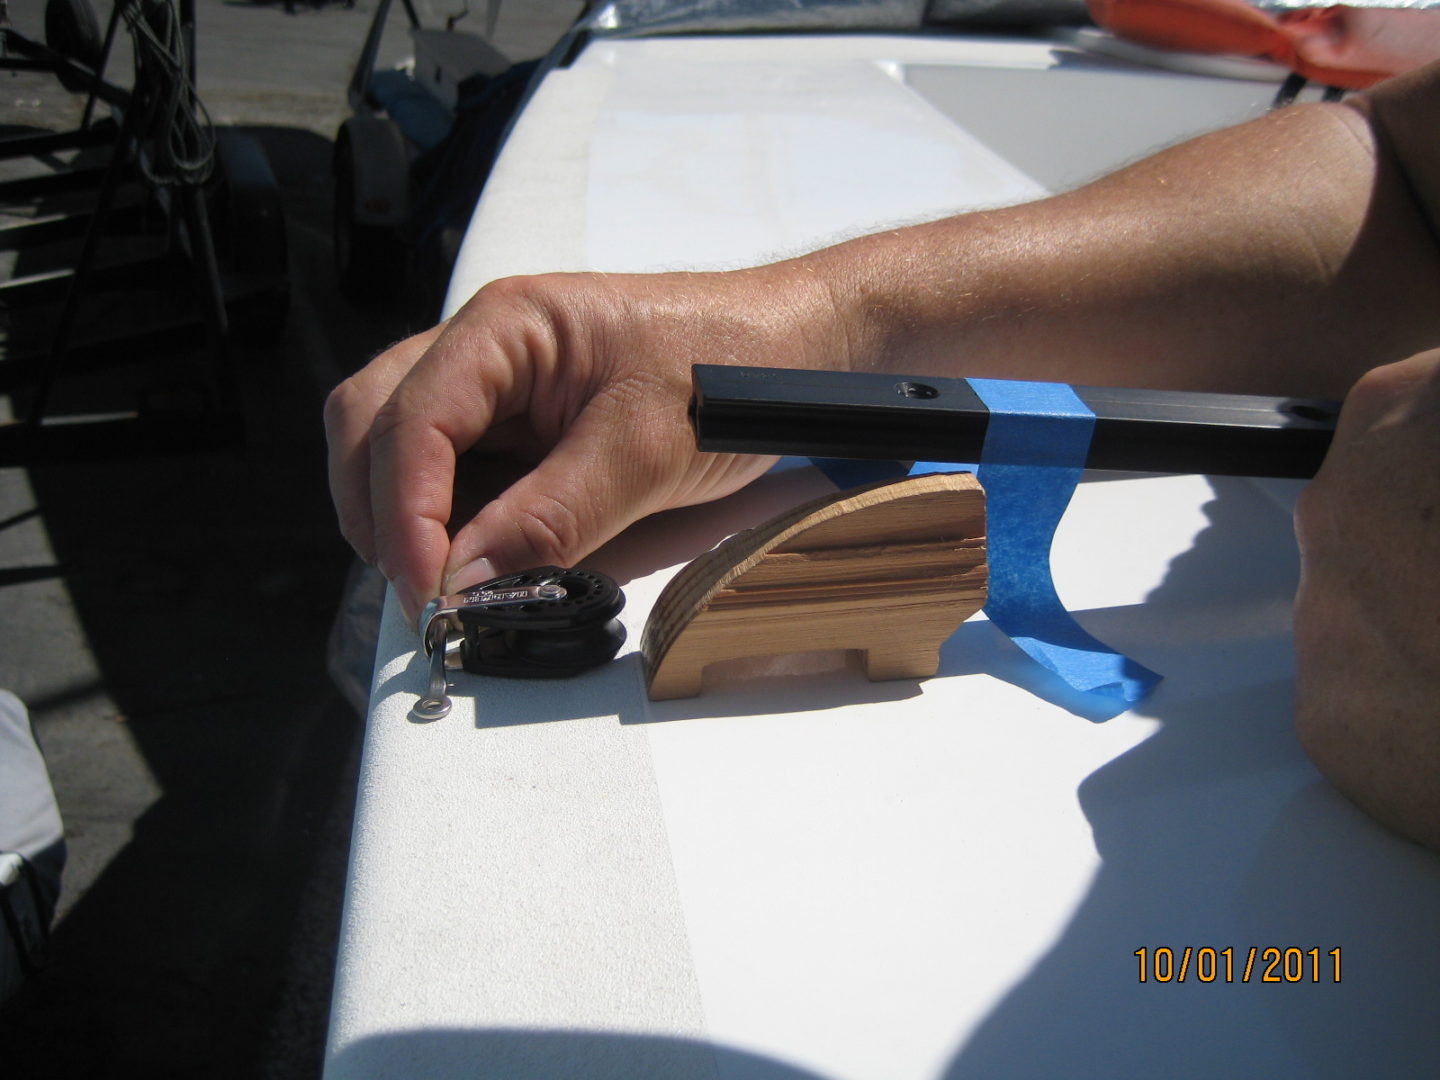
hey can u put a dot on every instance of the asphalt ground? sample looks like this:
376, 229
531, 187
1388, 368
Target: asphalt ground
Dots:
166, 619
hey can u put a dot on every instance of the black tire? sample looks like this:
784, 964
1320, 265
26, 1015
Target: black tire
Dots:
248, 212
247, 220
370, 260
73, 29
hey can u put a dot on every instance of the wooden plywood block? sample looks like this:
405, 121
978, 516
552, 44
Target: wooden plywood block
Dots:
891, 569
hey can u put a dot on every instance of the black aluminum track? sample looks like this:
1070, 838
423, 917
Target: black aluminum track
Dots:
920, 418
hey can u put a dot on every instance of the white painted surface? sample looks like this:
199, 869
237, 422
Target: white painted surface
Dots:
804, 874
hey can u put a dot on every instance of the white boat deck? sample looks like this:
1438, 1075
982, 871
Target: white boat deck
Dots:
803, 874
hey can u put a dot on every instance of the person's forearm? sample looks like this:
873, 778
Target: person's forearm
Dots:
1287, 255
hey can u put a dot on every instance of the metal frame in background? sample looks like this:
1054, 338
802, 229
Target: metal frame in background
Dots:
169, 252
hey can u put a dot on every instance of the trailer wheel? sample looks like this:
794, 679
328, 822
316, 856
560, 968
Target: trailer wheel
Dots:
370, 256
248, 223
73, 30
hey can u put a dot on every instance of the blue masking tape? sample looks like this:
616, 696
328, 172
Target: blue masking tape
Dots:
852, 472
1035, 447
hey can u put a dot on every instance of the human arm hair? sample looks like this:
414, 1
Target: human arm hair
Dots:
1287, 255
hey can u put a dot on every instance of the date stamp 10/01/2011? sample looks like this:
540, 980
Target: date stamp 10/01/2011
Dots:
1267, 964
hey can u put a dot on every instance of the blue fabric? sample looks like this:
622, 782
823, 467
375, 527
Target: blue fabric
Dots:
1035, 446
424, 120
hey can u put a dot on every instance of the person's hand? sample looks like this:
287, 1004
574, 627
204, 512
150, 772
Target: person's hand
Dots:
587, 375
1367, 617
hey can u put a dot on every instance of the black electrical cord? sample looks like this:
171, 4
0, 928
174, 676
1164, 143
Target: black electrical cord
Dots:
172, 122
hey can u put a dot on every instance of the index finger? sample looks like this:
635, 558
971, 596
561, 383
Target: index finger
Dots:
465, 382
350, 411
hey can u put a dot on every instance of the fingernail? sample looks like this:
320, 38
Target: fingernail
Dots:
410, 603
472, 573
